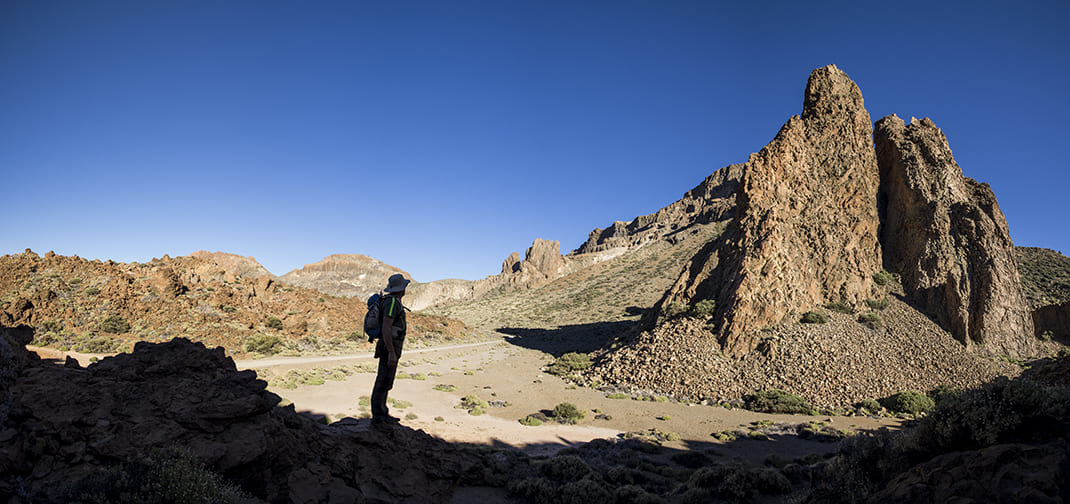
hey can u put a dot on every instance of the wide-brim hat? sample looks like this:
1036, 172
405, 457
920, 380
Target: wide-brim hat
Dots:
396, 283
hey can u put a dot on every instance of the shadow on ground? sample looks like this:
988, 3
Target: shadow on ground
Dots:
568, 338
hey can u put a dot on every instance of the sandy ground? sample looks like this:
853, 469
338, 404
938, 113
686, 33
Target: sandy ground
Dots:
499, 371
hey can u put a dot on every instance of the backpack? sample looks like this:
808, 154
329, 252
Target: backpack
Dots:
373, 320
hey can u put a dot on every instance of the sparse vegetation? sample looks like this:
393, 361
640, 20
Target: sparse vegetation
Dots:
273, 323
778, 401
617, 395
878, 304
870, 320
531, 421
114, 324
883, 278
841, 307
474, 405
266, 344
909, 402
569, 363
869, 405
567, 413
814, 317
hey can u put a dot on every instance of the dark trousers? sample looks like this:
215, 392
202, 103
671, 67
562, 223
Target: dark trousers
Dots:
384, 381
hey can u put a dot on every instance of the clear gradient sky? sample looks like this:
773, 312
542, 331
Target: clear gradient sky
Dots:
440, 136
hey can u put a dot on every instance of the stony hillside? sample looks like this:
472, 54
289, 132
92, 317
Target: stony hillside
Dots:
94, 306
1045, 275
347, 275
245, 267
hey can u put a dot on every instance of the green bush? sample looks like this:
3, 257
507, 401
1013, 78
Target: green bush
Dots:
814, 317
273, 323
114, 324
569, 363
531, 421
778, 401
878, 304
267, 344
882, 278
870, 320
870, 405
563, 468
703, 309
474, 405
617, 395
567, 413
1046, 336
841, 307
909, 402
166, 476
99, 344
445, 387
92, 291
355, 336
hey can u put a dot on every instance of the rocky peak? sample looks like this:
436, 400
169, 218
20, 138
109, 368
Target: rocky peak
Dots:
805, 226
347, 275
245, 267
947, 238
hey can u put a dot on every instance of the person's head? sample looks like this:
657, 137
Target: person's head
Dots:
396, 285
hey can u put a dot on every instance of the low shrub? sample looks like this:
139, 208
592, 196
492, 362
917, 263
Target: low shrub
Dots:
474, 405
355, 336
870, 320
703, 309
445, 387
883, 278
567, 413
675, 309
778, 401
870, 405
569, 363
267, 344
617, 395
841, 307
530, 421
909, 402
273, 323
114, 324
563, 468
814, 317
878, 304
92, 291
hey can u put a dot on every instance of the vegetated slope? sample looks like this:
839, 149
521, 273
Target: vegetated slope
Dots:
101, 307
1045, 275
584, 308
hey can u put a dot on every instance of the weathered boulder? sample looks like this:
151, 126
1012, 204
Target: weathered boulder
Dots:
946, 237
805, 226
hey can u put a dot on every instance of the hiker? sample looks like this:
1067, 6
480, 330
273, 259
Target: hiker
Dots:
388, 349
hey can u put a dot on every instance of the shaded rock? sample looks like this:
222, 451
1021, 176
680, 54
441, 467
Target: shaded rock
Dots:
67, 425
166, 282
1053, 320
945, 235
805, 226
1001, 473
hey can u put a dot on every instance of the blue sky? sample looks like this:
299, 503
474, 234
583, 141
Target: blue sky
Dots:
441, 136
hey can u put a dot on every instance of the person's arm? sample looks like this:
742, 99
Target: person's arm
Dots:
388, 340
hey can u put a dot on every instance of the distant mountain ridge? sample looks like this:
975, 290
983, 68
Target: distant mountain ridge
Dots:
346, 275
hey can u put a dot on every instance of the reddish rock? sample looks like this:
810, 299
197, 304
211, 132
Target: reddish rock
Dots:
945, 235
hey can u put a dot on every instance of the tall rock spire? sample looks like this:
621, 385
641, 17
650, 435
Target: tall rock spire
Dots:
947, 238
805, 230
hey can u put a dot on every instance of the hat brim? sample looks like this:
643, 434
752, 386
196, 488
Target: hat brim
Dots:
398, 288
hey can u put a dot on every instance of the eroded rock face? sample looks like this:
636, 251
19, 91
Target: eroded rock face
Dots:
67, 423
947, 238
805, 227
1052, 320
711, 201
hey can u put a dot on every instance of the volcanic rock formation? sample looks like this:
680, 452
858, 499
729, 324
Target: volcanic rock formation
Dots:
805, 227
947, 238
346, 275
245, 267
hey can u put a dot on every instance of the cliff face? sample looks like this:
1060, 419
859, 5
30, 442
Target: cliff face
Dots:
947, 238
805, 227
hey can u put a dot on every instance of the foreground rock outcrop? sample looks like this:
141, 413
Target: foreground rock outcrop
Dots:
68, 425
945, 235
